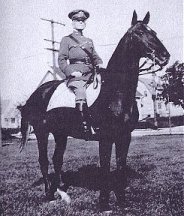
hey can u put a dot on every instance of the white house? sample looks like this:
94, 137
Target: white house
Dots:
148, 88
10, 116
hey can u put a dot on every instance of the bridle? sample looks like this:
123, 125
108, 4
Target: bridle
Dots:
149, 69
153, 57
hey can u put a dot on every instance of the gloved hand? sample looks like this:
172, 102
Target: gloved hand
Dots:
76, 74
98, 67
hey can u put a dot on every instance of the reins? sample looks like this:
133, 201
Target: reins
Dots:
93, 78
149, 69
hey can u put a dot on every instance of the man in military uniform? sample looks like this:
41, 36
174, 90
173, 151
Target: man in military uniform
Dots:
77, 60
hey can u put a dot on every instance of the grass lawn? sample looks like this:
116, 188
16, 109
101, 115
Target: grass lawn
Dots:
155, 179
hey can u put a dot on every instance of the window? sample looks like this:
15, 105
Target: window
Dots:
145, 93
6, 119
12, 120
159, 105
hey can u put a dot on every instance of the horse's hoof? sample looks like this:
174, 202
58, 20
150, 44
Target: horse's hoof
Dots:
65, 197
120, 200
50, 196
50, 199
52, 202
121, 203
109, 212
105, 208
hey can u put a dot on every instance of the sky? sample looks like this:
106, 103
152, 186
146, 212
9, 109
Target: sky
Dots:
24, 60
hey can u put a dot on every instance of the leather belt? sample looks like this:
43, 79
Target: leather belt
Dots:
80, 61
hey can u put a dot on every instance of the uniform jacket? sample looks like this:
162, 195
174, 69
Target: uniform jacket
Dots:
70, 50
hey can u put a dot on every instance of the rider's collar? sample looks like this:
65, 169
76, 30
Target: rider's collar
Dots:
77, 32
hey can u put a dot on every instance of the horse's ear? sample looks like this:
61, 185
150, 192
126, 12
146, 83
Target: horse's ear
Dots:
134, 18
146, 18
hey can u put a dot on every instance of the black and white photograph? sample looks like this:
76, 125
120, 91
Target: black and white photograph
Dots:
92, 108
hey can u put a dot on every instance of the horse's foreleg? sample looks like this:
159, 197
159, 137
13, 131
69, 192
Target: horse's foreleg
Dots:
122, 145
105, 149
60, 147
43, 159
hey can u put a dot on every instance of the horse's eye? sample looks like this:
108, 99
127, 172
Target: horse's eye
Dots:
140, 33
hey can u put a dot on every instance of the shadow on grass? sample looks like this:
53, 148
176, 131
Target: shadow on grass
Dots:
90, 177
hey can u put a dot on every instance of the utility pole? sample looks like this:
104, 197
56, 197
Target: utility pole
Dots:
1, 145
154, 96
169, 114
53, 49
168, 105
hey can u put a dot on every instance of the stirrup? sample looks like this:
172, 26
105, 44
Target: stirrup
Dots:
92, 131
85, 127
89, 129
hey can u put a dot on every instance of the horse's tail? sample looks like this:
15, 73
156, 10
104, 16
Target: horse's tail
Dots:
25, 130
36, 104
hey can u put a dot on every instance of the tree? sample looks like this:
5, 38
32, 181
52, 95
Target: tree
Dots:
173, 85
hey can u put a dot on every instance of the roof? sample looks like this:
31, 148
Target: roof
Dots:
4, 105
149, 83
138, 94
8, 109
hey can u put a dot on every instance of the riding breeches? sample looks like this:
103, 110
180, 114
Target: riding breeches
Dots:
79, 89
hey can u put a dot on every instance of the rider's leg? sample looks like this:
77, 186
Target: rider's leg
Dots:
79, 88
83, 109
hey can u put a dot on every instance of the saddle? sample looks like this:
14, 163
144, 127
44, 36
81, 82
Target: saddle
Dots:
64, 97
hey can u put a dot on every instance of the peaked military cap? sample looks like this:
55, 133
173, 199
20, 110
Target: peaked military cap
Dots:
78, 15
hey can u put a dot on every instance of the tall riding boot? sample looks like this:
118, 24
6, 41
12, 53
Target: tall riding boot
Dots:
82, 107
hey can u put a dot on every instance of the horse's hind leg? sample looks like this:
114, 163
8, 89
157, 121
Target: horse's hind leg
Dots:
105, 149
61, 141
122, 145
42, 138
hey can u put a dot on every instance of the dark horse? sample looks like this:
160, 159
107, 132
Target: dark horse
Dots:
114, 113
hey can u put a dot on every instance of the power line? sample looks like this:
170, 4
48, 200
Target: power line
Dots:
113, 44
30, 56
173, 37
25, 58
52, 41
167, 38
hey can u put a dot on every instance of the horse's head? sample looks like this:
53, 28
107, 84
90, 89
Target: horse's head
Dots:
139, 41
147, 42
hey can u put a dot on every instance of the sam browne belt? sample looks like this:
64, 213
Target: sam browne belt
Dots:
81, 61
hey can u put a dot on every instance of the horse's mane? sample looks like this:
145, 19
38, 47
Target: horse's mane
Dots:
121, 68
119, 55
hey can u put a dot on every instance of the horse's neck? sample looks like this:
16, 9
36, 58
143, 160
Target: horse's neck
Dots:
124, 64
124, 57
